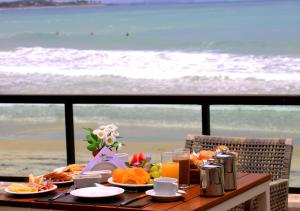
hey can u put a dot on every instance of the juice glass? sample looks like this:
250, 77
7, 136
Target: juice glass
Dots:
182, 156
170, 168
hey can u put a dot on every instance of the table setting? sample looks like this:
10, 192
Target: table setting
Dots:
111, 178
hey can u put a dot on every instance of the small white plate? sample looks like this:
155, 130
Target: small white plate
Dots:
97, 192
110, 180
30, 193
164, 197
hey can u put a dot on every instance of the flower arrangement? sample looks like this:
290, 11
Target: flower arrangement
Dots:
104, 136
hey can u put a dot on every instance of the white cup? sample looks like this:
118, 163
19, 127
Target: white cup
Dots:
165, 186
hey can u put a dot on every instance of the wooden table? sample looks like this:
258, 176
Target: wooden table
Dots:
249, 185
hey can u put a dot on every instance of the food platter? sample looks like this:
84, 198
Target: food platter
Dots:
110, 181
30, 193
58, 177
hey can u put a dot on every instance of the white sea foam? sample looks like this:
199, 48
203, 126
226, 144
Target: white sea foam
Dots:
148, 64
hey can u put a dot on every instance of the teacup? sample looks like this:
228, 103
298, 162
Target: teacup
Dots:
165, 186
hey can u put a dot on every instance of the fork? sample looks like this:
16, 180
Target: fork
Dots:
63, 193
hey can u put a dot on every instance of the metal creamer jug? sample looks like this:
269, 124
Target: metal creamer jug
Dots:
211, 179
228, 159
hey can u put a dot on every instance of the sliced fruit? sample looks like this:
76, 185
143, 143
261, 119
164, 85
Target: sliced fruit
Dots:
141, 157
134, 159
135, 175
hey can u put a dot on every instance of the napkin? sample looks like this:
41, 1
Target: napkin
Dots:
105, 155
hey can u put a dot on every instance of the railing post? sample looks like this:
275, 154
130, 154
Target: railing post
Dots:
205, 119
69, 125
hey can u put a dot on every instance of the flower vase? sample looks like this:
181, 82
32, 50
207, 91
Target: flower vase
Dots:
95, 152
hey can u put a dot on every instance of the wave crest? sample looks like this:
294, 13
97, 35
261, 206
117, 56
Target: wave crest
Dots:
148, 64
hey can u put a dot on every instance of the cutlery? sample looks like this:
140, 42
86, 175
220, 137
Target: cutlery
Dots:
132, 199
63, 193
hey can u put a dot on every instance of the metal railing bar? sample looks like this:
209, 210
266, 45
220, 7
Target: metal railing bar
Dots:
295, 190
13, 179
69, 127
205, 120
156, 99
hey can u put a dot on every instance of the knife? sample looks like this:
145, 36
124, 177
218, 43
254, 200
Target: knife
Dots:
62, 193
133, 199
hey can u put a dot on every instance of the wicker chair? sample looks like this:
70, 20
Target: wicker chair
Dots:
256, 155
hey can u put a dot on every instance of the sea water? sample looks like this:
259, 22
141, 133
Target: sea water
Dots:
219, 47
153, 48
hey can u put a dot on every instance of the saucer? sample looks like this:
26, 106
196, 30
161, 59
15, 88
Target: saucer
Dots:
175, 197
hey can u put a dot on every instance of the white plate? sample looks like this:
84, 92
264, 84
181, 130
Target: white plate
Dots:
30, 193
63, 182
97, 192
110, 180
60, 169
164, 197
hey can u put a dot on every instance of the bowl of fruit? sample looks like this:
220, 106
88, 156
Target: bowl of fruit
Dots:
140, 172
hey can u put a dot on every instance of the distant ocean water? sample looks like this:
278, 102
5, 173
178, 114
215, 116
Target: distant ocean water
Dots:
153, 46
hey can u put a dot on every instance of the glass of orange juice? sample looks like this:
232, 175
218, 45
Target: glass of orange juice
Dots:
170, 168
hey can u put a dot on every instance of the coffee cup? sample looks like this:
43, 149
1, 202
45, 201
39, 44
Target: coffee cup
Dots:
165, 186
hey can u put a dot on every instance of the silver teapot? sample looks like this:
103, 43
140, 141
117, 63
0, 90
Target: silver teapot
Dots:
228, 159
211, 178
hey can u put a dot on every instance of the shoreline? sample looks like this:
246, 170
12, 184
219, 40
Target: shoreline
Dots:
51, 6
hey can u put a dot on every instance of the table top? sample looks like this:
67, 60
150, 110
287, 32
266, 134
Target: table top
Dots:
191, 201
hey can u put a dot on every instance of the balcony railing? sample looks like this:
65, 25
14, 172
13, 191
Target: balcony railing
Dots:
204, 100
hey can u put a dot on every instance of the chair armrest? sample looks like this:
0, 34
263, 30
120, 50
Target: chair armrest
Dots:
279, 182
279, 194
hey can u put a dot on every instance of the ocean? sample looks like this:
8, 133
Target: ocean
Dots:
219, 47
153, 48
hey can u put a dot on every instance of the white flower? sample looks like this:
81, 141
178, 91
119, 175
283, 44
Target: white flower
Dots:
95, 132
110, 140
120, 146
116, 133
112, 127
102, 127
101, 134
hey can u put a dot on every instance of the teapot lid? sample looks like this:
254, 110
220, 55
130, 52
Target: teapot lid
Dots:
224, 153
211, 164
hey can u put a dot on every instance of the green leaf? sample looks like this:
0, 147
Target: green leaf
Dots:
127, 164
115, 144
90, 139
89, 129
91, 147
94, 136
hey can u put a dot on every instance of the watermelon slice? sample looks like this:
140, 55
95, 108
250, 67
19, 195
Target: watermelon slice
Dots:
141, 157
134, 159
